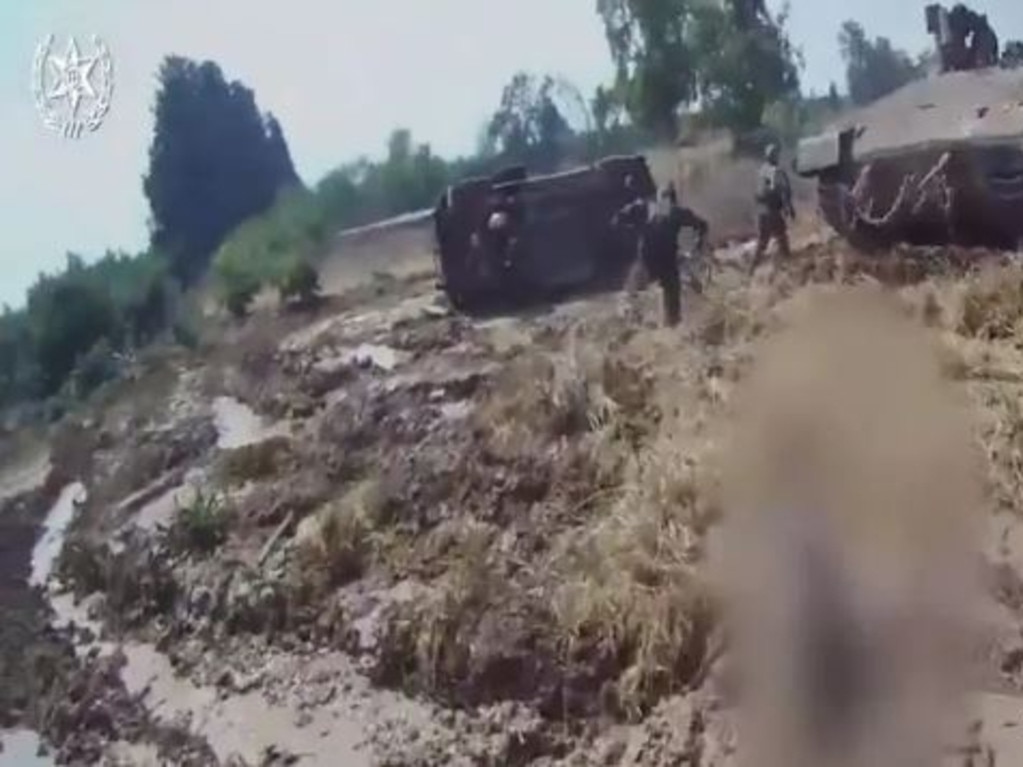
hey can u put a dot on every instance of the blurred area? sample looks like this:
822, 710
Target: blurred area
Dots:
853, 547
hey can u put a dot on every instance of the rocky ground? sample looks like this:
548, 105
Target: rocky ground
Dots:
386, 534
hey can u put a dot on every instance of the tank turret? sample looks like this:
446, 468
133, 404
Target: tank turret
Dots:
937, 161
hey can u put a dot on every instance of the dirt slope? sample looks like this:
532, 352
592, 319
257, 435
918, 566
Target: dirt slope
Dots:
438, 541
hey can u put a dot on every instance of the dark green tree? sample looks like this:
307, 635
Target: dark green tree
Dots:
19, 376
528, 126
215, 160
1012, 54
874, 68
68, 315
834, 99
656, 70
741, 70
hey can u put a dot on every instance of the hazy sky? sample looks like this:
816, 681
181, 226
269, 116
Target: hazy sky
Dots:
339, 74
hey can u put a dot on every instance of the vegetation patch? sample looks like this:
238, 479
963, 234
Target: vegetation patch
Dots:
201, 525
992, 305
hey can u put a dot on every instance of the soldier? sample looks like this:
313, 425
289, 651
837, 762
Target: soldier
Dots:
774, 204
658, 246
503, 227
633, 218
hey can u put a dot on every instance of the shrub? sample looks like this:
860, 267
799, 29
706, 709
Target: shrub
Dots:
201, 524
255, 462
238, 300
94, 368
185, 335
299, 282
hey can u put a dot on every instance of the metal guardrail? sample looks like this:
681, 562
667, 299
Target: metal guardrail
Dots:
396, 222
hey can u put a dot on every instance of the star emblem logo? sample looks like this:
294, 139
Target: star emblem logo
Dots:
71, 77
72, 91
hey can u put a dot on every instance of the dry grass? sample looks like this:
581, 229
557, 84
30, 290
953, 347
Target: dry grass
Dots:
565, 395
445, 632
632, 590
259, 461
340, 541
1003, 443
427, 645
992, 305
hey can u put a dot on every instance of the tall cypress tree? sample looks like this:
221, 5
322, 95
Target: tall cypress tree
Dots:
214, 161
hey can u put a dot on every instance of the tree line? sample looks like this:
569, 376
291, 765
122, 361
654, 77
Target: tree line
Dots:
225, 199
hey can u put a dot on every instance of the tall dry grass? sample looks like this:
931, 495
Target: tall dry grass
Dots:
633, 590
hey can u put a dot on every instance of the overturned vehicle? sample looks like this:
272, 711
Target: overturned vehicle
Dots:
939, 161
514, 239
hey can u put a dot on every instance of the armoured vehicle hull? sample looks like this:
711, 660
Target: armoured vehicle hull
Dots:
938, 161
513, 239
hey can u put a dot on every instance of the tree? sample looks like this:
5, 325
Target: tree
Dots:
1012, 54
873, 68
411, 177
655, 65
214, 161
68, 314
299, 284
139, 289
741, 70
603, 105
834, 99
528, 126
19, 377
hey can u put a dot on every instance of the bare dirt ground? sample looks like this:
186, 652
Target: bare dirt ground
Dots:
385, 534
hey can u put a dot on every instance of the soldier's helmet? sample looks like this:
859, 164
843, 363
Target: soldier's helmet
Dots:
772, 153
498, 220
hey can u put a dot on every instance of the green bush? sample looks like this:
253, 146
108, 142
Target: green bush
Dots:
68, 315
237, 279
95, 368
201, 525
238, 295
185, 335
299, 283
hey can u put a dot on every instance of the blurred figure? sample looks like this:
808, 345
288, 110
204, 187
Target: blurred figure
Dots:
851, 543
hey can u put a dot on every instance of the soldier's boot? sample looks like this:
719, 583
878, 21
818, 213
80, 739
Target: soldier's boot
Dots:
754, 262
763, 240
671, 288
635, 282
689, 266
784, 247
783, 255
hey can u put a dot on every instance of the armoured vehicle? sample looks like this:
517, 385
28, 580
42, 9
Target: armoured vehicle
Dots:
938, 161
513, 239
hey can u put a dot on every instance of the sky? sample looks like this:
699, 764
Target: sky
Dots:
339, 75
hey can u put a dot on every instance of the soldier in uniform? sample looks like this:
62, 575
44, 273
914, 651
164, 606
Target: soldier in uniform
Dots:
774, 205
503, 226
657, 255
631, 221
